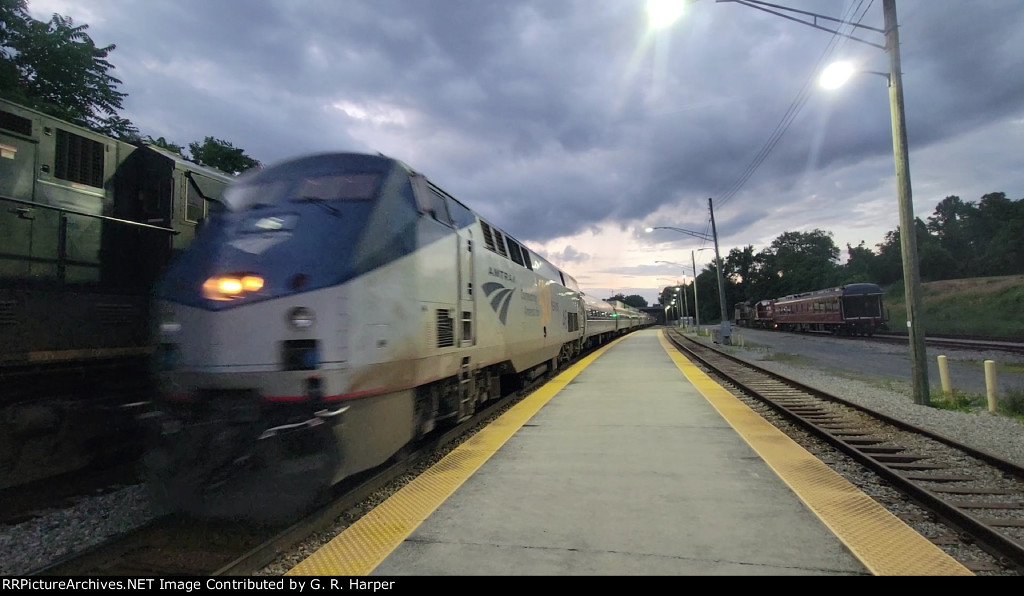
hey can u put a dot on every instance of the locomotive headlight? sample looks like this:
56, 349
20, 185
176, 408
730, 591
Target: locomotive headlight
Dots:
230, 287
301, 318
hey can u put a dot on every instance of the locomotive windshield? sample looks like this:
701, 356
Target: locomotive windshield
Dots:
262, 191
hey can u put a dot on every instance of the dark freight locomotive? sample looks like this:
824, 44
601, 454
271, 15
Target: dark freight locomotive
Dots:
87, 223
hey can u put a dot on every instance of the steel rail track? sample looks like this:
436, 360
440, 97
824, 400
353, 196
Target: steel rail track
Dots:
59, 419
979, 494
976, 343
964, 343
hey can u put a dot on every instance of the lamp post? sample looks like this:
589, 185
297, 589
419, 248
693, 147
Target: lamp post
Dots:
682, 294
696, 306
679, 295
908, 227
725, 330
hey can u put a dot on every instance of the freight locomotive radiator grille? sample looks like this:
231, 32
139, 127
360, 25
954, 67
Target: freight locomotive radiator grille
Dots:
7, 316
15, 123
116, 314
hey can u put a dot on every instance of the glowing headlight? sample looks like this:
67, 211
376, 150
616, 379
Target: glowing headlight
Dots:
301, 318
230, 287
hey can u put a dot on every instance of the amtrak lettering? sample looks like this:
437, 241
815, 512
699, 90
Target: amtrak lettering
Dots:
501, 274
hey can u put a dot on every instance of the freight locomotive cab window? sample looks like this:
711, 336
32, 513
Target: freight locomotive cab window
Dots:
78, 159
195, 206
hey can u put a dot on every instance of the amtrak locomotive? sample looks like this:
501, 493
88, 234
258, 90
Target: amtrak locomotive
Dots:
338, 307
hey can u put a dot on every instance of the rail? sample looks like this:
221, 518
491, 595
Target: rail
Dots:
62, 259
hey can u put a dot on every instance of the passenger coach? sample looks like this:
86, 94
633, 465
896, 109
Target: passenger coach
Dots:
853, 309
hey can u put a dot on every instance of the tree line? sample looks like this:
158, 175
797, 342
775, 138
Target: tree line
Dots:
56, 68
961, 239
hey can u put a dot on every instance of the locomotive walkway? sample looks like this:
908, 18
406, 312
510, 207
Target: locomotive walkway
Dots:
632, 462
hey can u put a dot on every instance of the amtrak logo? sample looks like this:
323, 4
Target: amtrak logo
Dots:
500, 298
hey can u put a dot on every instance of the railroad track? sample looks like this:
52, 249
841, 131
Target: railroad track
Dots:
62, 418
967, 343
978, 495
183, 546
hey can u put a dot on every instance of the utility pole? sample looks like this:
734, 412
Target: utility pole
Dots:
686, 307
696, 307
726, 331
908, 227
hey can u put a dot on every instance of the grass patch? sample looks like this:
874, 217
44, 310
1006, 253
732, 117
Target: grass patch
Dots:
785, 358
1012, 404
964, 306
958, 401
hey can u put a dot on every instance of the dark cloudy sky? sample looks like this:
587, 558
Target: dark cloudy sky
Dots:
573, 126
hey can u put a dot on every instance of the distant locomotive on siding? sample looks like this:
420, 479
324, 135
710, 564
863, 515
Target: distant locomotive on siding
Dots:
852, 309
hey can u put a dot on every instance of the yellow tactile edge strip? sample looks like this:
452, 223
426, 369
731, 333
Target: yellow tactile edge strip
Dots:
879, 539
362, 546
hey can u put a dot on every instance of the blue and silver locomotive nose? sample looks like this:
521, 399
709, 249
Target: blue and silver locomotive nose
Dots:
255, 325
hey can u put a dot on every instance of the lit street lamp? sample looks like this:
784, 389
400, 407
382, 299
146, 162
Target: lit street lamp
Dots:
679, 292
908, 229
835, 76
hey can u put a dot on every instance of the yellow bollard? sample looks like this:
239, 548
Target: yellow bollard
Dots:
990, 384
944, 374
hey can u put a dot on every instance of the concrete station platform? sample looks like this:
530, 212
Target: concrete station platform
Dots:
632, 462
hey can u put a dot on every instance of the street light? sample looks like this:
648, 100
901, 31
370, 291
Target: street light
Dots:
908, 227
724, 325
682, 294
662, 295
679, 291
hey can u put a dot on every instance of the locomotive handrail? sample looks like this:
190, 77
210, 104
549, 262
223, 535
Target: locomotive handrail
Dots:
331, 413
84, 214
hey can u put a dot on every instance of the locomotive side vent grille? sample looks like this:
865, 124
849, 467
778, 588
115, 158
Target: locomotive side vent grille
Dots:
15, 123
116, 314
574, 322
79, 159
488, 237
7, 315
445, 329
